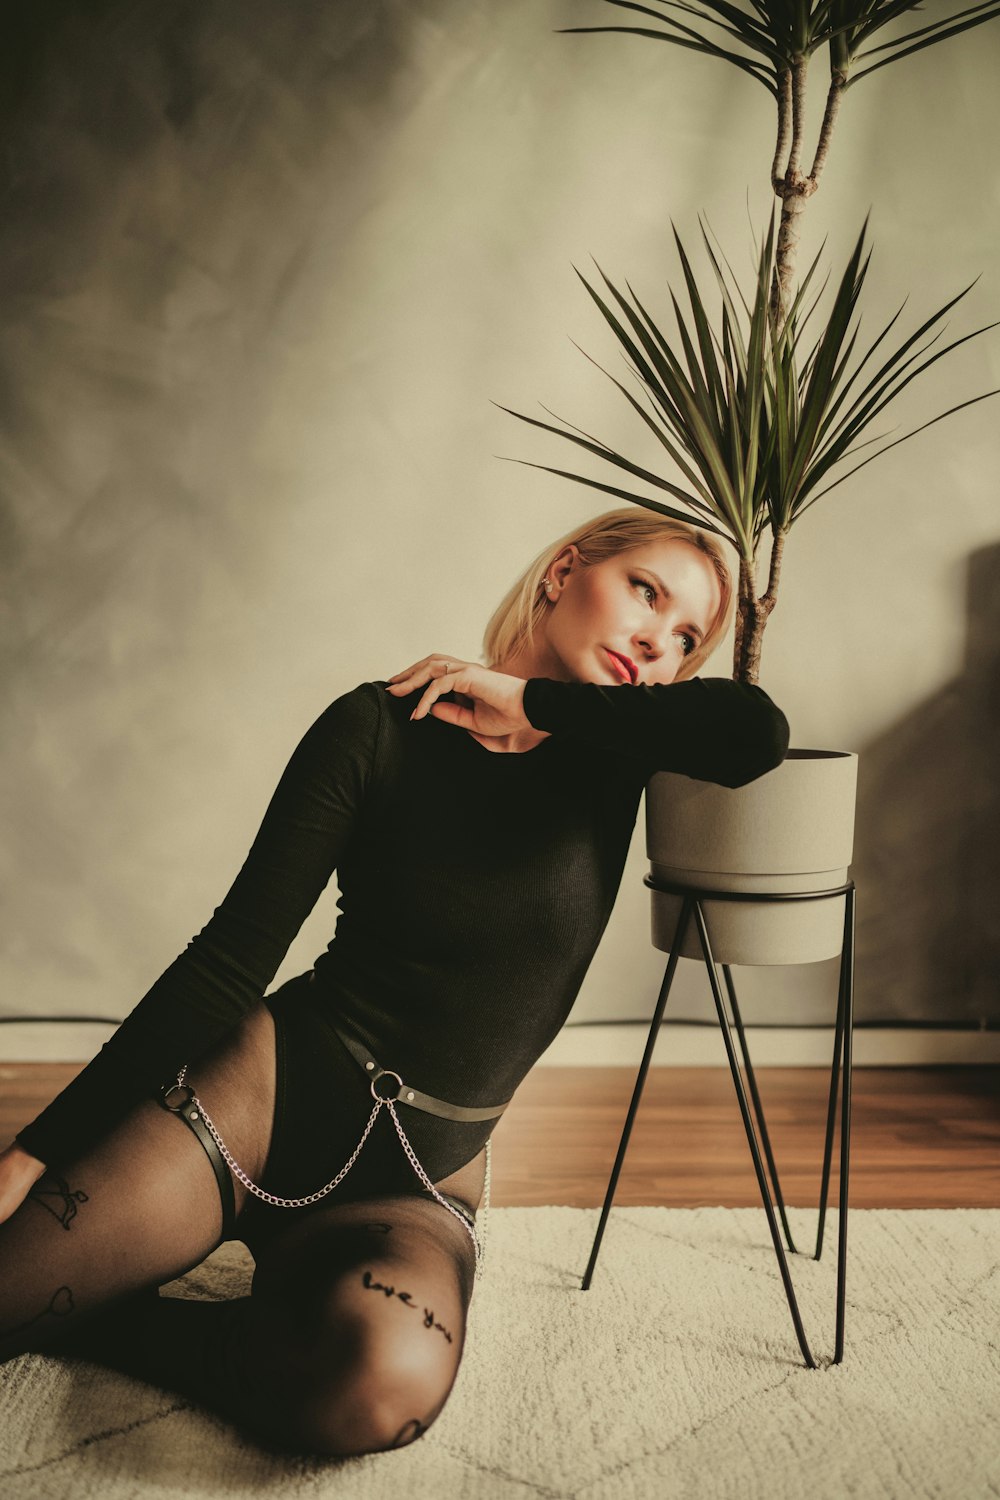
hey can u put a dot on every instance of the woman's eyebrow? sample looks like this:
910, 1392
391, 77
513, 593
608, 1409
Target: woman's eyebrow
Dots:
694, 629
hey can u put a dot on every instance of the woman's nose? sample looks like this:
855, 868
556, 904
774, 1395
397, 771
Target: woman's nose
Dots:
649, 639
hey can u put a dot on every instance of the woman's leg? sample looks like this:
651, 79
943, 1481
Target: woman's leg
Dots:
367, 1302
140, 1208
351, 1339
349, 1342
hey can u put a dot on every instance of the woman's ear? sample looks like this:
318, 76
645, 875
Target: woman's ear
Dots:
562, 566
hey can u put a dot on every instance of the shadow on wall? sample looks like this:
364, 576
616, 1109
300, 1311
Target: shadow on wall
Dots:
926, 861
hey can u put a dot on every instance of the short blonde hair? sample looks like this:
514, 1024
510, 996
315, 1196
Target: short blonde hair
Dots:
522, 610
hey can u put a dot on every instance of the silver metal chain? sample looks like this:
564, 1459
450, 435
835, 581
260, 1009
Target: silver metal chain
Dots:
251, 1186
478, 1241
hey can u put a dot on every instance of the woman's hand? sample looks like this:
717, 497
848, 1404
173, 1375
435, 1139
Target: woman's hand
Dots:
19, 1171
495, 704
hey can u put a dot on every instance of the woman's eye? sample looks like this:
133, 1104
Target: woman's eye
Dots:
687, 643
647, 589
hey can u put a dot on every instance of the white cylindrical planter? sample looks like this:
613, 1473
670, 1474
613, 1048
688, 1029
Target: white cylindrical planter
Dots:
791, 830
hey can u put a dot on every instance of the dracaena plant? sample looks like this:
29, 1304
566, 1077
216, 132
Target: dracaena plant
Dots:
757, 412
760, 416
773, 41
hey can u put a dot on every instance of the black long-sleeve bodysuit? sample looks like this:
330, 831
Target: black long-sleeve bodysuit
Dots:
475, 887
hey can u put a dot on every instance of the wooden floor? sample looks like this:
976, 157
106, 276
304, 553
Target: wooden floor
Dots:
920, 1137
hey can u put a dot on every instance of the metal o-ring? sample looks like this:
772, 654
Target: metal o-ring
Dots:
176, 1088
387, 1073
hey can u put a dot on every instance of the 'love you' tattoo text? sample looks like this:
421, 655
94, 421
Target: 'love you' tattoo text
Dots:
368, 1281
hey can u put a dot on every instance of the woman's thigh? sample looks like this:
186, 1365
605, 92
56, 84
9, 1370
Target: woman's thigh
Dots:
322, 1103
365, 1305
139, 1208
468, 1182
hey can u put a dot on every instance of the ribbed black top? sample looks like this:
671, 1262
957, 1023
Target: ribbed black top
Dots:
475, 886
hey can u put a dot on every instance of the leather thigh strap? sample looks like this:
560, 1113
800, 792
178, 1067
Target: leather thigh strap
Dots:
182, 1095
408, 1094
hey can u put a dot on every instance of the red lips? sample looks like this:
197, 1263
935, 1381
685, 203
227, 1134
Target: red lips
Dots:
624, 665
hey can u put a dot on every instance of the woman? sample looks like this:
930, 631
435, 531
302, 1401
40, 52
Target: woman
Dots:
478, 819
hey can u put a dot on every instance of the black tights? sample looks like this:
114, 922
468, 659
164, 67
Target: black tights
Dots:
351, 1337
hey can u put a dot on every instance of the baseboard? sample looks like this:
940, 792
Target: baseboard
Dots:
699, 1046
52, 1041
679, 1045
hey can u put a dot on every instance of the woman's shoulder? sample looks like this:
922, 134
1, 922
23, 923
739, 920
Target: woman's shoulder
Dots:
343, 744
351, 723
365, 715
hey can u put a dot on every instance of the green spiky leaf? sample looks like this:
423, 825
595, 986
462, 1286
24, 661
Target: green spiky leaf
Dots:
758, 420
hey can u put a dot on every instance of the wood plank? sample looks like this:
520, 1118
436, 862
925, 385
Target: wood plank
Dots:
921, 1137
925, 1137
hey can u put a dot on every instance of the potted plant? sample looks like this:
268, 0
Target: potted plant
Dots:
763, 403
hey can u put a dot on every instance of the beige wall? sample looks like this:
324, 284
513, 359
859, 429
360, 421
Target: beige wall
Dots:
264, 271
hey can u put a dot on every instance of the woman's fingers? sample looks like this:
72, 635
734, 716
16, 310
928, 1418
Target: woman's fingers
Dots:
494, 701
424, 671
455, 713
19, 1171
437, 673
446, 683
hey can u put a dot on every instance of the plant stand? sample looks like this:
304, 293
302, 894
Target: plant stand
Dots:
692, 904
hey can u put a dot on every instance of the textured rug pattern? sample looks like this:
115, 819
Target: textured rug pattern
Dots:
677, 1374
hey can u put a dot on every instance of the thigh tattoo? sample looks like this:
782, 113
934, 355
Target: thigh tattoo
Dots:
59, 1305
61, 1201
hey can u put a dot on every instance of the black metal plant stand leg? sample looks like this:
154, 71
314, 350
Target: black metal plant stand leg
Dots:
692, 903
758, 1107
654, 1029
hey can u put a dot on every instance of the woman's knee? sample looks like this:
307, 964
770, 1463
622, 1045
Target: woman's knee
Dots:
373, 1377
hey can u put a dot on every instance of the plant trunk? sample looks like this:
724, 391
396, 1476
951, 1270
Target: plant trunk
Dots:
793, 201
838, 83
739, 618
753, 638
788, 180
753, 613
746, 597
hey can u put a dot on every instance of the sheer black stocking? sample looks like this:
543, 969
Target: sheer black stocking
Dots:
351, 1338
349, 1342
134, 1212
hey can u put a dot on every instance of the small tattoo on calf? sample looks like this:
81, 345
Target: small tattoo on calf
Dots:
409, 1433
60, 1201
59, 1305
378, 1228
370, 1284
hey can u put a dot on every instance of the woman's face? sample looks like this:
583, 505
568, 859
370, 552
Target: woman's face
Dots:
631, 619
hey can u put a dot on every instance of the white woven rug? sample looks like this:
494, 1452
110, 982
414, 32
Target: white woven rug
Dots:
677, 1374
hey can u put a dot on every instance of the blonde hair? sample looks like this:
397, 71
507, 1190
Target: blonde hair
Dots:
522, 610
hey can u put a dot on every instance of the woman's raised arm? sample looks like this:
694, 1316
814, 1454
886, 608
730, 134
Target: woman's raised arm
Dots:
710, 728
230, 963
